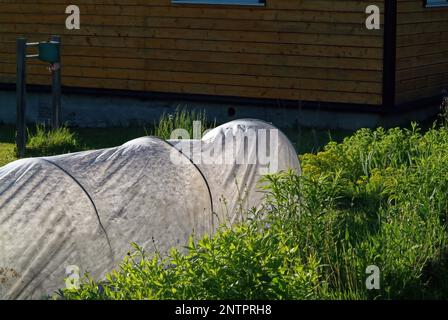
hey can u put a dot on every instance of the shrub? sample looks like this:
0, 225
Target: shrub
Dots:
240, 263
45, 142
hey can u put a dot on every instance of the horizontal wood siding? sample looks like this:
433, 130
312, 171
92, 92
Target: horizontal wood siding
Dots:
297, 50
422, 51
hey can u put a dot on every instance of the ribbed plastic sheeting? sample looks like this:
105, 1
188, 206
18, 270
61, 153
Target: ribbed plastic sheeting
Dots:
233, 157
84, 209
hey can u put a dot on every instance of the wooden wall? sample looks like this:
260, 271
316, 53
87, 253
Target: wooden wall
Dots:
313, 50
422, 51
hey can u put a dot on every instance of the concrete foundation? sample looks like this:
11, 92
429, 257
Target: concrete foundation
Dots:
91, 110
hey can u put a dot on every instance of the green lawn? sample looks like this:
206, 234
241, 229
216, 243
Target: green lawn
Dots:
7, 153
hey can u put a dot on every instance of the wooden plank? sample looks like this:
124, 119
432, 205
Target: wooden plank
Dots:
422, 51
309, 50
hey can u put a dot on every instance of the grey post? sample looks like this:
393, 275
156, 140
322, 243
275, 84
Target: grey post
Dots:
21, 95
56, 90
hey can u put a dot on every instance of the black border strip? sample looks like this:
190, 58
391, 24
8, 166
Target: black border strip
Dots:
389, 53
166, 309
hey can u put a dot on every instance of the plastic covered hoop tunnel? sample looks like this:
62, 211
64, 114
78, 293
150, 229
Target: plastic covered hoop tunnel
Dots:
84, 209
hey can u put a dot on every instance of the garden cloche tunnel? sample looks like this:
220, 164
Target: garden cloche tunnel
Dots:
84, 209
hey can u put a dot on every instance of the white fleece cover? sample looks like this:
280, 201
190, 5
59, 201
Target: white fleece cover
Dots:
84, 209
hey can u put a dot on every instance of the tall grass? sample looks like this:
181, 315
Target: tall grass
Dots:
46, 142
182, 118
378, 198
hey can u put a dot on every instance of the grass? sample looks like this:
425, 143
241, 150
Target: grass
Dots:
181, 119
7, 146
51, 142
311, 140
378, 198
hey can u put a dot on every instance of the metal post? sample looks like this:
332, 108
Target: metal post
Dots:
21, 97
56, 90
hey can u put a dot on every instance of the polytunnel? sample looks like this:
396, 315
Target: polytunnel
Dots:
84, 209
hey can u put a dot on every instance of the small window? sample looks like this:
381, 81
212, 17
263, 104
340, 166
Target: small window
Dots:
228, 2
436, 3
